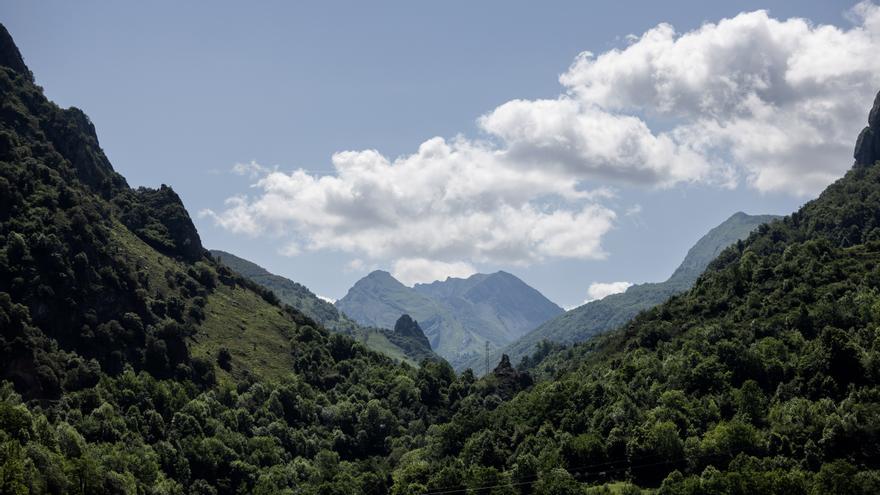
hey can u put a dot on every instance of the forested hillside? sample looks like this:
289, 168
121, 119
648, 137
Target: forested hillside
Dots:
581, 323
763, 378
132, 362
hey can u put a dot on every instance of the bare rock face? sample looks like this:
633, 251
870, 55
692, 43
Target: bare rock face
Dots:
868, 144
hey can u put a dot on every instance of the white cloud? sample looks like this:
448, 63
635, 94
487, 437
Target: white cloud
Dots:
410, 271
450, 201
251, 169
325, 298
579, 139
601, 290
772, 104
777, 103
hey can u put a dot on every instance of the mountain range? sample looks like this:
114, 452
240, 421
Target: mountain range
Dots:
459, 315
583, 322
407, 346
132, 361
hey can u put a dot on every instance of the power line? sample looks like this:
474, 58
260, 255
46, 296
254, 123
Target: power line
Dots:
522, 481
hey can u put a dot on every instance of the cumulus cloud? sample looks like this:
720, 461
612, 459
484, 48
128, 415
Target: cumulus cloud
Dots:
450, 201
410, 271
749, 101
774, 102
601, 290
581, 140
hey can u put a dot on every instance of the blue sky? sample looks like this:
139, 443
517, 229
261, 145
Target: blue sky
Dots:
182, 92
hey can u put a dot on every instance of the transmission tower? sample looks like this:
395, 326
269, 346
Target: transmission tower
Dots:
487, 357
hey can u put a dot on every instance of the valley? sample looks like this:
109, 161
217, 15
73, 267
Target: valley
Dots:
133, 360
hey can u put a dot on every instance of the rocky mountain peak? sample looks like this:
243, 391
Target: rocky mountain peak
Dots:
867, 150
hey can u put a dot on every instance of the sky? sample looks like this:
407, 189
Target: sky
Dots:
581, 146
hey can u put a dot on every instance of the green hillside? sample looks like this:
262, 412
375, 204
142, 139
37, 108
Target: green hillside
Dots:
459, 316
583, 322
131, 362
412, 349
763, 378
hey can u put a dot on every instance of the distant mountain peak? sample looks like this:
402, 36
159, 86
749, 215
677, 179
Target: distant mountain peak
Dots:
380, 275
457, 315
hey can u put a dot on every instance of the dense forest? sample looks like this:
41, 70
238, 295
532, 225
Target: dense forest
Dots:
132, 362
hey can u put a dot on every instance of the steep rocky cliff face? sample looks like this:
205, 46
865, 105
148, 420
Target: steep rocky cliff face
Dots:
867, 150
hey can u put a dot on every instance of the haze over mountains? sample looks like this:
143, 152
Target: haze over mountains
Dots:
458, 315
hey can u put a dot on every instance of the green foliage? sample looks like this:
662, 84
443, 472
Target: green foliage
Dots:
760, 379
133, 362
763, 378
595, 317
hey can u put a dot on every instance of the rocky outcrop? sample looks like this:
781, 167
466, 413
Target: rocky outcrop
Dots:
159, 218
407, 327
508, 380
11, 57
868, 144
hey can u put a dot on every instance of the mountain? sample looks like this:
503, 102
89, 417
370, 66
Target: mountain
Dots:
288, 291
458, 315
131, 361
764, 377
583, 322
400, 346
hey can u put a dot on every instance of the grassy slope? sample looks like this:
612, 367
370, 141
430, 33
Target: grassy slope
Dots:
252, 330
300, 297
237, 319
